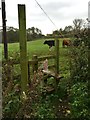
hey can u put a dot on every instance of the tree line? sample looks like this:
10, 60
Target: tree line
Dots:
79, 25
32, 34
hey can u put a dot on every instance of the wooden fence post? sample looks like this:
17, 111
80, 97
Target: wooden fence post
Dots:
4, 35
29, 79
23, 47
35, 65
57, 56
89, 47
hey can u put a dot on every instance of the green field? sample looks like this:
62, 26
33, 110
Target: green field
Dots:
38, 48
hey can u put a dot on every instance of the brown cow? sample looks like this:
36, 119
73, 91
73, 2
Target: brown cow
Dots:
66, 43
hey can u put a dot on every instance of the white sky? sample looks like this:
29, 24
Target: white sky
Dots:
62, 13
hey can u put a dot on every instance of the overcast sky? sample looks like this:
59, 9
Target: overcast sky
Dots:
61, 12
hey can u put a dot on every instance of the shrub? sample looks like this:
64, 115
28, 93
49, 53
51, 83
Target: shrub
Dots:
79, 64
79, 77
79, 100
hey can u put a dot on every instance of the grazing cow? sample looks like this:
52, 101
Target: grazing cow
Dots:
66, 43
50, 43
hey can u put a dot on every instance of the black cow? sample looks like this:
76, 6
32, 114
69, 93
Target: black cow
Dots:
50, 43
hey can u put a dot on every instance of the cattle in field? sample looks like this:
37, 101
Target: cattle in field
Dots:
50, 43
66, 43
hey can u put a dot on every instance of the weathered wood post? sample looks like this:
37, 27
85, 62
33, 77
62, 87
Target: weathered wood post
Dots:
29, 79
35, 65
56, 61
57, 56
23, 47
4, 35
89, 48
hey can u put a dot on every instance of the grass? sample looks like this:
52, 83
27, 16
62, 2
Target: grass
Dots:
38, 48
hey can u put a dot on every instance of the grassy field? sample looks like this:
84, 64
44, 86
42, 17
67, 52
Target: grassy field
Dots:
38, 48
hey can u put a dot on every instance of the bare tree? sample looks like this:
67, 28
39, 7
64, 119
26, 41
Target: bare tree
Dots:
78, 23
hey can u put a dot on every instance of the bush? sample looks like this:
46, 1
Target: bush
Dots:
79, 100
79, 64
11, 105
79, 76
